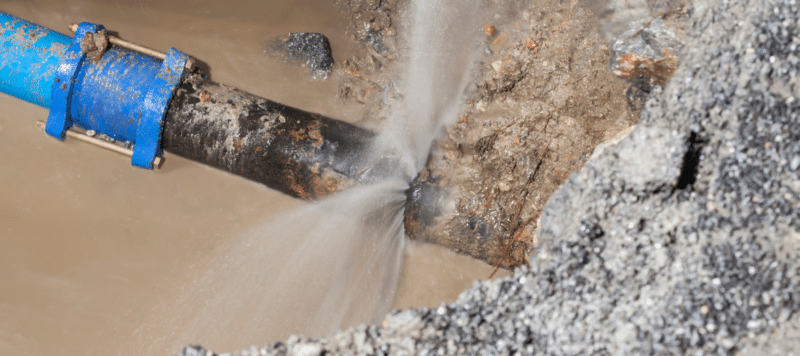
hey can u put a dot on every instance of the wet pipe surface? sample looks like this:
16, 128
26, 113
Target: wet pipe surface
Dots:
305, 155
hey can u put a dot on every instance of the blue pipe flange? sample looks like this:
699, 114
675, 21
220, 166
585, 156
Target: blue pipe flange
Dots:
58, 120
154, 108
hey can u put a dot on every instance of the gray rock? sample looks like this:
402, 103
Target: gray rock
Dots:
311, 48
645, 56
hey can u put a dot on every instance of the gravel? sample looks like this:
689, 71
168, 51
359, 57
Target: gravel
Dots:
681, 239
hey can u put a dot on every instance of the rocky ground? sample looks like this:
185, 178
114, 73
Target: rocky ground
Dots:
681, 239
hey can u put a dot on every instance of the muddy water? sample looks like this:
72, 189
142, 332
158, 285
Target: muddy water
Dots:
90, 246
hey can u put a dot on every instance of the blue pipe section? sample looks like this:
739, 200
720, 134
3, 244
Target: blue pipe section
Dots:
29, 56
123, 95
113, 88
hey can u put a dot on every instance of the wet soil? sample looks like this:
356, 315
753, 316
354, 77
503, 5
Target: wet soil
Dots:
545, 97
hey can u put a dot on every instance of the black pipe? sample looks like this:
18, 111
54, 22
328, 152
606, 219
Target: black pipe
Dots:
302, 154
426, 219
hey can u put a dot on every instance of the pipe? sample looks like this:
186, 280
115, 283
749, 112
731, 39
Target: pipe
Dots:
152, 103
302, 154
28, 59
430, 216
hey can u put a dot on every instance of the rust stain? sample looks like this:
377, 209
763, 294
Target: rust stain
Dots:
291, 175
489, 29
319, 187
532, 45
327, 184
302, 193
299, 134
499, 41
336, 183
411, 223
204, 96
659, 71
314, 134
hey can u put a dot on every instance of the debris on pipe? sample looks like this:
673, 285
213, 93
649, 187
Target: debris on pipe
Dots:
302, 154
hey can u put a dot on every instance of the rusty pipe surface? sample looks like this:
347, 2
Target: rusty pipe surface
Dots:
299, 153
430, 217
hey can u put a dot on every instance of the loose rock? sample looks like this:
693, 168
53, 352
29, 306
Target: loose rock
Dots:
313, 49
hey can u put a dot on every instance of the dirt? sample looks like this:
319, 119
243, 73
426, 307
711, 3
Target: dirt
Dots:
550, 88
373, 28
545, 98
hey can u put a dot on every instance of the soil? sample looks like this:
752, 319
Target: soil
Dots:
373, 27
545, 95
545, 98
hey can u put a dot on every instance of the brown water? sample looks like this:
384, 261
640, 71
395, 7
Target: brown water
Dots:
90, 247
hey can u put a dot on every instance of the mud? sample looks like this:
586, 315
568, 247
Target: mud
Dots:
545, 97
369, 73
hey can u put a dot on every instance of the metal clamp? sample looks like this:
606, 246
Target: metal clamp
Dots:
89, 138
142, 119
135, 47
58, 120
148, 134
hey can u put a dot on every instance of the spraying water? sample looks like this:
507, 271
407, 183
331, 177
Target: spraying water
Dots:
335, 263
442, 51
311, 270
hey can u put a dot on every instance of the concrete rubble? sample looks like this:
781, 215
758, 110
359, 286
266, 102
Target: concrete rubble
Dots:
681, 239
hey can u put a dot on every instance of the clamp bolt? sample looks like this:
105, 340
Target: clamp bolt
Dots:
137, 48
89, 138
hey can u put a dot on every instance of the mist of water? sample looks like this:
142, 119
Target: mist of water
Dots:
335, 263
441, 54
311, 270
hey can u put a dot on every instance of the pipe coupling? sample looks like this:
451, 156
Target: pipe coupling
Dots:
118, 92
